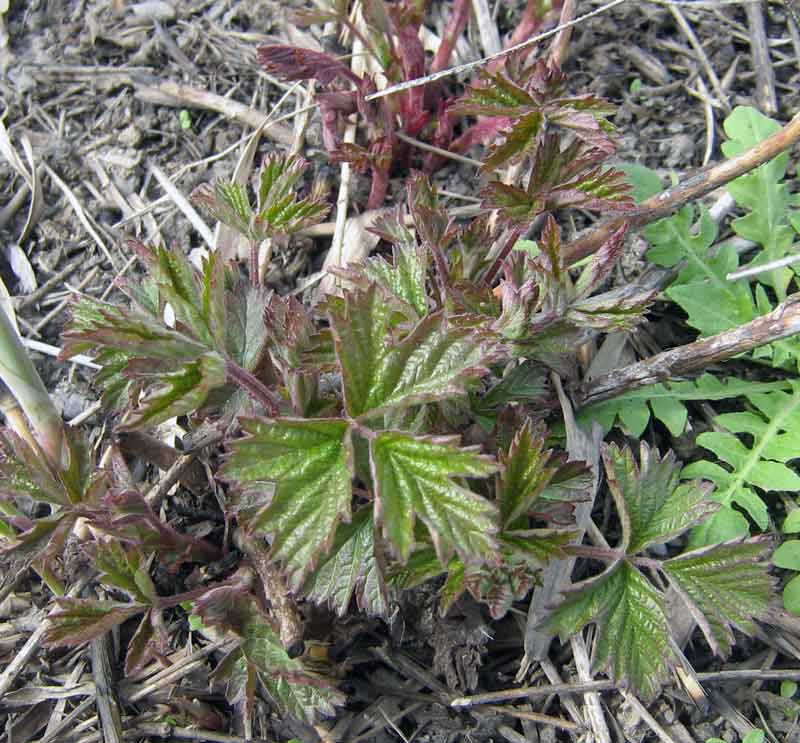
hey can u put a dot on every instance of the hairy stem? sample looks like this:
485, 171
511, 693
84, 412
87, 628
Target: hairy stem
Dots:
254, 387
276, 592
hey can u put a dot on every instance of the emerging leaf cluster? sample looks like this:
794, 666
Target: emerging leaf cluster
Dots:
350, 464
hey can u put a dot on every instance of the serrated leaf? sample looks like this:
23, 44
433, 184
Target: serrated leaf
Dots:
25, 472
149, 642
309, 462
527, 470
123, 570
177, 371
78, 620
279, 209
416, 477
178, 392
198, 299
520, 140
433, 362
405, 277
44, 539
724, 586
127, 516
652, 503
631, 627
295, 63
350, 567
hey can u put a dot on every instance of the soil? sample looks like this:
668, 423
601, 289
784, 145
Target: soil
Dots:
77, 82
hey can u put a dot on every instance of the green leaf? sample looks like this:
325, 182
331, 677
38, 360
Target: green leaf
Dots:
631, 627
293, 689
524, 383
309, 465
788, 555
724, 586
78, 620
123, 570
763, 192
25, 472
667, 402
644, 181
415, 477
527, 470
177, 392
279, 208
520, 140
791, 596
761, 464
405, 277
351, 566
792, 523
651, 502
433, 362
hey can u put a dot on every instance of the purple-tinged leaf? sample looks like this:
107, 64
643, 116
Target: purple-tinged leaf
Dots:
127, 516
79, 620
303, 468
724, 586
148, 643
496, 96
520, 141
176, 392
421, 477
433, 362
294, 63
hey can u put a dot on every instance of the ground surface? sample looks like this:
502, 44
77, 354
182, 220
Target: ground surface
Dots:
85, 85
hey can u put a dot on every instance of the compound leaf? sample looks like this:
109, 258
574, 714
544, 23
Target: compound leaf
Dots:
771, 426
307, 465
293, 689
417, 477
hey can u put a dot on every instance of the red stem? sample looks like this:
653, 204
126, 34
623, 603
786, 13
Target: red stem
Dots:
254, 387
504, 253
456, 23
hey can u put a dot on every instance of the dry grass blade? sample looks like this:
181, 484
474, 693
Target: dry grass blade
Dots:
108, 709
355, 245
183, 204
80, 213
29, 175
